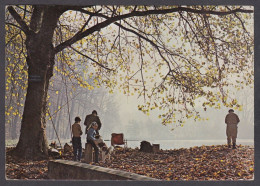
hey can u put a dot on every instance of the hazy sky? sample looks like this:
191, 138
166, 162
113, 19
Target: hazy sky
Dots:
149, 127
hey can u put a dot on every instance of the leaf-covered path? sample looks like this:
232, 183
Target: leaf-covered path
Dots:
197, 163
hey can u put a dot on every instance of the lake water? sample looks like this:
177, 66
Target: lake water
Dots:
164, 144
177, 144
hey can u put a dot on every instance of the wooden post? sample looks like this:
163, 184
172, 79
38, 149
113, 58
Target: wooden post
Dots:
88, 153
156, 147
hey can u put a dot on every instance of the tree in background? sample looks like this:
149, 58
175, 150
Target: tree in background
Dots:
169, 55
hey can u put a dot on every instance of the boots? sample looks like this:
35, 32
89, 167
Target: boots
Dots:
234, 145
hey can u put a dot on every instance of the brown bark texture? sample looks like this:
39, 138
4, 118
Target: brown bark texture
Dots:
40, 60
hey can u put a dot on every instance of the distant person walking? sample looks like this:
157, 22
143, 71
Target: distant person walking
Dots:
92, 118
91, 138
232, 121
76, 139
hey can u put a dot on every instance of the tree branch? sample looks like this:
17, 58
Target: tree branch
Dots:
91, 59
19, 20
142, 62
14, 25
110, 20
24, 9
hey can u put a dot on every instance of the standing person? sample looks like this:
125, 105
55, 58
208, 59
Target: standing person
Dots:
91, 134
76, 139
232, 121
92, 118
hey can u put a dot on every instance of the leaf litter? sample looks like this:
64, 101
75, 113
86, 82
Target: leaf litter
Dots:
215, 162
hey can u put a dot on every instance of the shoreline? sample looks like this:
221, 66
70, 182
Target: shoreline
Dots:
164, 144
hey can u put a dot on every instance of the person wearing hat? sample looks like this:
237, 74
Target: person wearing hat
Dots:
91, 138
92, 118
232, 121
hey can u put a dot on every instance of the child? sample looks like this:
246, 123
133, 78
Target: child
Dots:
92, 140
76, 139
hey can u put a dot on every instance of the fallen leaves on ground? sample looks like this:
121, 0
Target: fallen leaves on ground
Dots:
28, 169
25, 169
197, 163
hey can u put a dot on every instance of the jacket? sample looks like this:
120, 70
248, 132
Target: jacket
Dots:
231, 118
89, 119
91, 134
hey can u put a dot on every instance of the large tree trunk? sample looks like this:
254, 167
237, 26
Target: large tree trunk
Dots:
32, 141
40, 60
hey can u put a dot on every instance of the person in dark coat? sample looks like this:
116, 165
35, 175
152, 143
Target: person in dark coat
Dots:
232, 121
92, 118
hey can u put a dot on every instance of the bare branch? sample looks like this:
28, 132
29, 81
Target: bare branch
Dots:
91, 59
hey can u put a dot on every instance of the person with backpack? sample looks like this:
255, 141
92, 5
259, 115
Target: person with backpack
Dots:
76, 139
91, 138
92, 118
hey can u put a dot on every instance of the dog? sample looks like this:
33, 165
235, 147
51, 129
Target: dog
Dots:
104, 150
106, 153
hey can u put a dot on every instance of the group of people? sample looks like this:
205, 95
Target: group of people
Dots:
93, 125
